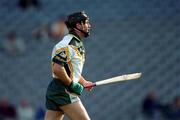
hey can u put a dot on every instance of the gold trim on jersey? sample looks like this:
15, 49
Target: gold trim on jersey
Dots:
63, 49
71, 69
76, 50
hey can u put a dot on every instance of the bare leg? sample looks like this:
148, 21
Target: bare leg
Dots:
75, 111
54, 115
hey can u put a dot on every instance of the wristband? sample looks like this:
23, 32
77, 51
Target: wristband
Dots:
76, 88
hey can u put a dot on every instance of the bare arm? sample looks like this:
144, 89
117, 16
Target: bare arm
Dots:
60, 72
85, 83
60, 59
82, 80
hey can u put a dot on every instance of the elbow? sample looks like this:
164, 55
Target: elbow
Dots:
56, 69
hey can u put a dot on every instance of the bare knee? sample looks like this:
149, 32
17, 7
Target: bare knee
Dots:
75, 111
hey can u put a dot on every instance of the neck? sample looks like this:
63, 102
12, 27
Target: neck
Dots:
78, 34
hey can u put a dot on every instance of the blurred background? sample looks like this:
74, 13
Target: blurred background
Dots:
127, 36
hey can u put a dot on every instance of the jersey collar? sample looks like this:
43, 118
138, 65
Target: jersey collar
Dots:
76, 36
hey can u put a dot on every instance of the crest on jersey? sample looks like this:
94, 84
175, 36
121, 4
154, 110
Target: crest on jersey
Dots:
62, 56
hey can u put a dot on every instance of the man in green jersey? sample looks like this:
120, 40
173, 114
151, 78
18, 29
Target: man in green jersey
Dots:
68, 57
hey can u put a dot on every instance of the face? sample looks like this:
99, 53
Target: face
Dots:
86, 26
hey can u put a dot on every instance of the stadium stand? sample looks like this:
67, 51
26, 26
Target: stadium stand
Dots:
127, 36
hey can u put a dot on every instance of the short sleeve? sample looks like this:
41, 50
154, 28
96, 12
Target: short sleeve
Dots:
62, 56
